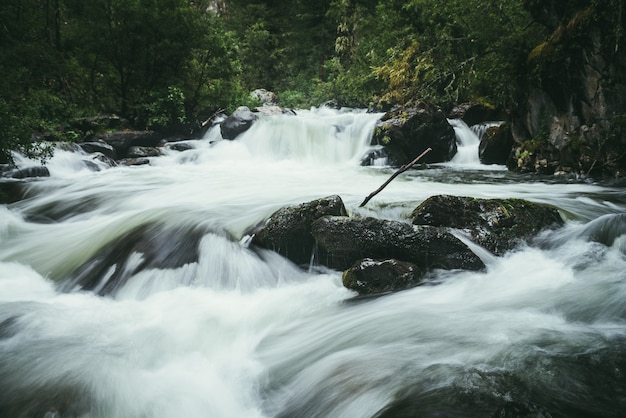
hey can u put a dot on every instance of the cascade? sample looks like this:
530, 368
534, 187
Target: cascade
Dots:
468, 140
213, 327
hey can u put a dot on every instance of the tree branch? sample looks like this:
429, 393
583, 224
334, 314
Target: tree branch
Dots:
394, 175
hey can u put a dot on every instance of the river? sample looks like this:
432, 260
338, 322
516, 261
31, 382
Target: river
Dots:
242, 332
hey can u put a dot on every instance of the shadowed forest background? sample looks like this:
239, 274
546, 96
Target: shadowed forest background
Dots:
170, 64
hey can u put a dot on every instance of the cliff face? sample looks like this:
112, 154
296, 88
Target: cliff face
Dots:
572, 112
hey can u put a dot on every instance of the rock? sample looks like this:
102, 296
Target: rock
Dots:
180, 146
134, 161
122, 141
240, 121
370, 276
101, 147
265, 97
407, 131
475, 113
150, 246
496, 145
288, 230
271, 110
11, 191
143, 152
22, 173
342, 241
571, 115
498, 225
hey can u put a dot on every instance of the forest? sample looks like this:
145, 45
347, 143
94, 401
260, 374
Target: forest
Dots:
168, 64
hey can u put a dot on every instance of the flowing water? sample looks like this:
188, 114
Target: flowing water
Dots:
213, 328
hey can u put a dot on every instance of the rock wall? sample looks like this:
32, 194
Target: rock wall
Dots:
572, 111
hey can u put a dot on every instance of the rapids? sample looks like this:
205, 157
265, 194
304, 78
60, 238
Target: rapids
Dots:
242, 332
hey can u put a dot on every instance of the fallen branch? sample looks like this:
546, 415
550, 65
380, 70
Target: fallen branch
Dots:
394, 175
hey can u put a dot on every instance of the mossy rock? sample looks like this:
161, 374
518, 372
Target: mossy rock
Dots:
498, 225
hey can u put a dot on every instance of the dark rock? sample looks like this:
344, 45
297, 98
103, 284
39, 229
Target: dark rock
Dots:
342, 241
288, 230
123, 140
159, 247
143, 152
103, 159
496, 145
10, 191
180, 146
134, 161
370, 276
240, 121
407, 131
475, 113
22, 173
571, 113
499, 225
101, 147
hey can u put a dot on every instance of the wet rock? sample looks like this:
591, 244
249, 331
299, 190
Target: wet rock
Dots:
122, 141
180, 146
134, 161
496, 145
240, 121
408, 130
370, 276
498, 225
10, 191
22, 173
342, 241
101, 147
288, 230
475, 113
150, 246
143, 152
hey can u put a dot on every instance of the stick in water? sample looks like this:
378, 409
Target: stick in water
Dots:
394, 175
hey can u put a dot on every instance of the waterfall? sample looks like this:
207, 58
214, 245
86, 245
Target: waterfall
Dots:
212, 327
468, 140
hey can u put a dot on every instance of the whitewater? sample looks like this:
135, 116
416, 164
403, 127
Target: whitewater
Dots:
240, 331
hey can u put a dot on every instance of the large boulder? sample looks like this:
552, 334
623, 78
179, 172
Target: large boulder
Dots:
370, 276
29, 172
240, 121
496, 145
149, 246
288, 230
407, 131
344, 240
475, 113
498, 225
122, 141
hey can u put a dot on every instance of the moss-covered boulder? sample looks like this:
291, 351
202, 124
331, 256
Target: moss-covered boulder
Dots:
498, 225
342, 241
406, 131
288, 230
370, 276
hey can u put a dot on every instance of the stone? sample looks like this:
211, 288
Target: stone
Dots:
406, 131
240, 121
344, 240
496, 145
370, 276
288, 230
498, 225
